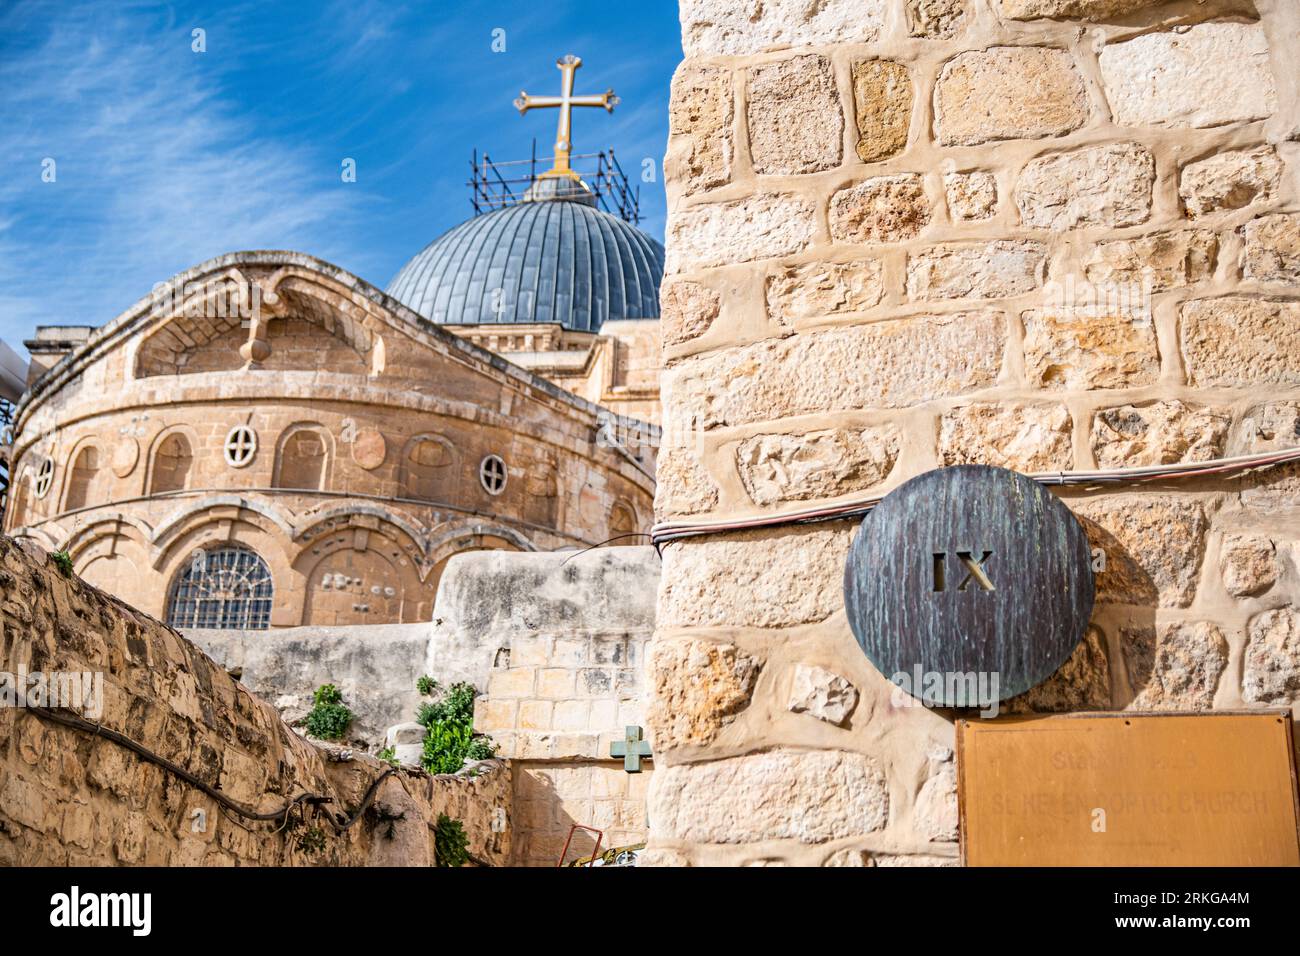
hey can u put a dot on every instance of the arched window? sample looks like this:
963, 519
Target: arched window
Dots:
302, 461
171, 464
622, 521
82, 478
223, 588
429, 471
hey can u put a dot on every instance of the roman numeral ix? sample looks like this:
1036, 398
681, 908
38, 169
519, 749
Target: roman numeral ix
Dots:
974, 570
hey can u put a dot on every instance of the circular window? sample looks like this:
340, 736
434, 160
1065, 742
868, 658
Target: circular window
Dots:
492, 474
241, 446
44, 478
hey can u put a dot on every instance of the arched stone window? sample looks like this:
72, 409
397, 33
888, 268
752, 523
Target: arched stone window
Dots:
171, 464
222, 588
19, 499
429, 469
81, 479
622, 520
304, 456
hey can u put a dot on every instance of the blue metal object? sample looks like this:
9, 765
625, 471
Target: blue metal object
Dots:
543, 260
631, 748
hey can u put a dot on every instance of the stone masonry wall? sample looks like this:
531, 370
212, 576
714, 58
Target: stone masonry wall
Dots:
903, 234
68, 797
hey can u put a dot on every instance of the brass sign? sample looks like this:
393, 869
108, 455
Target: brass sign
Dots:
1129, 790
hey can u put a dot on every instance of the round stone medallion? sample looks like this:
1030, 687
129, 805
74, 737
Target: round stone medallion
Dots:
369, 449
969, 585
125, 454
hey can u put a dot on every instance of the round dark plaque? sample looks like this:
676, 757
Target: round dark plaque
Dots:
968, 585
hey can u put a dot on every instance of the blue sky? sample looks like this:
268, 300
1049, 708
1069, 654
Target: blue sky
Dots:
165, 157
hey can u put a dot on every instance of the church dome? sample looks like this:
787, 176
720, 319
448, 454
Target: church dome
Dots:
553, 257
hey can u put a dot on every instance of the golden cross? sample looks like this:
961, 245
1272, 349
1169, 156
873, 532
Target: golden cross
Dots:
568, 65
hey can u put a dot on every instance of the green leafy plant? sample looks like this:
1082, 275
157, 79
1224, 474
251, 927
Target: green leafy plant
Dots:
312, 840
63, 561
450, 844
449, 738
427, 686
388, 755
329, 718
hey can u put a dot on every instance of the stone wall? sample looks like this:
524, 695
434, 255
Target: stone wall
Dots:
565, 634
1041, 234
68, 797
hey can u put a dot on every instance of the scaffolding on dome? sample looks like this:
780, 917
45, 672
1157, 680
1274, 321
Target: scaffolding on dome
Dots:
495, 185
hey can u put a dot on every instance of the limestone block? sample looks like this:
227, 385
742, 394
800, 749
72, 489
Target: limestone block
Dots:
848, 856
698, 687
1154, 263
1076, 9
1238, 342
1204, 75
750, 26
1176, 667
1271, 668
985, 270
1008, 93
882, 97
936, 802
1160, 433
758, 227
883, 209
1269, 427
1021, 436
1272, 248
773, 578
1229, 180
936, 19
684, 487
822, 464
971, 196
809, 796
1081, 683
1071, 349
795, 121
882, 365
820, 693
407, 740
701, 148
687, 310
819, 289
1153, 547
1107, 185
1248, 564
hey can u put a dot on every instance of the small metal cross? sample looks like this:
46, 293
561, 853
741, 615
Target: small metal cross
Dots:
631, 748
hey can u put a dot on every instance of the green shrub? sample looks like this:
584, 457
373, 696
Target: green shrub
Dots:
330, 717
388, 755
427, 686
450, 844
63, 561
449, 738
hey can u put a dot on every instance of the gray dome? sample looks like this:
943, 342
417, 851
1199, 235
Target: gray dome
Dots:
554, 260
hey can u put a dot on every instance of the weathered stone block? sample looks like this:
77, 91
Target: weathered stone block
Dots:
1238, 342
1008, 93
795, 121
1075, 9
1204, 75
809, 796
821, 464
1153, 547
701, 146
1161, 433
1229, 180
1269, 427
882, 97
687, 310
936, 803
1177, 667
820, 693
884, 209
750, 26
1020, 436
1271, 669
882, 365
698, 687
971, 195
820, 289
1106, 185
1248, 564
1081, 683
683, 486
758, 227
986, 270
1154, 263
1066, 349
754, 578
936, 19
1272, 248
